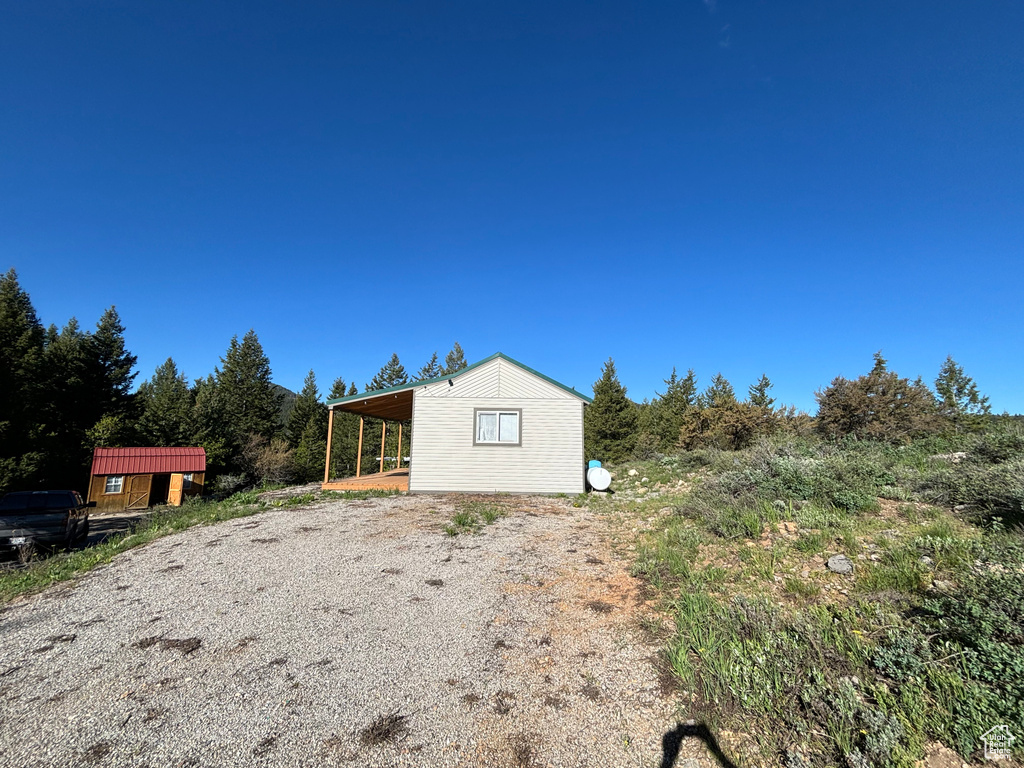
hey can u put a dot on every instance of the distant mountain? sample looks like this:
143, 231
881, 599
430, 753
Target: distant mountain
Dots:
287, 402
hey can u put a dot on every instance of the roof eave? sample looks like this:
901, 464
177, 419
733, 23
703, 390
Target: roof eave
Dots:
425, 382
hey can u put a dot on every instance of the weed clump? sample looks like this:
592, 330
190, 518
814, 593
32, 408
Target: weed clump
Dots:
386, 728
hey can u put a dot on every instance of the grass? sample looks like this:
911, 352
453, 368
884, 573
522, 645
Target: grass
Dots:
818, 668
37, 575
472, 516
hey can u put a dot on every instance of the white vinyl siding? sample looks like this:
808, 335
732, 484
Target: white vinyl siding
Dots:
497, 379
445, 458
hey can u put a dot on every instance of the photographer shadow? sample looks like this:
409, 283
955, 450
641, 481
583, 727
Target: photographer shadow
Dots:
672, 742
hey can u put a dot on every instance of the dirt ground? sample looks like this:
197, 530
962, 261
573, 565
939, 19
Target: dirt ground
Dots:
348, 633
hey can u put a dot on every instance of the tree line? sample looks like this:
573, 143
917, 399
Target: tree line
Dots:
65, 391
879, 405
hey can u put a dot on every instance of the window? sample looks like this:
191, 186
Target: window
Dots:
186, 481
497, 428
115, 483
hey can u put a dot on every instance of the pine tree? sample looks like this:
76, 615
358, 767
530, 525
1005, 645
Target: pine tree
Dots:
307, 408
338, 389
877, 406
346, 433
251, 403
307, 432
958, 399
114, 364
757, 394
454, 361
670, 408
610, 421
21, 394
391, 375
70, 410
209, 424
431, 370
111, 415
718, 393
165, 405
310, 452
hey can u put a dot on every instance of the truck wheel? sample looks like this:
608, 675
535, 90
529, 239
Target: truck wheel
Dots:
84, 533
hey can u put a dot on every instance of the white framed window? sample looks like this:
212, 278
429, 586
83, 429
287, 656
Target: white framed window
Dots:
115, 484
497, 427
186, 481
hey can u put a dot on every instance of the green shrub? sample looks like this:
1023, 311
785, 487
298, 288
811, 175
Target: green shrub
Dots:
998, 446
966, 649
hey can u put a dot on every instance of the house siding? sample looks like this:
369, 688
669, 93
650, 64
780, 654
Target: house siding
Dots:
444, 458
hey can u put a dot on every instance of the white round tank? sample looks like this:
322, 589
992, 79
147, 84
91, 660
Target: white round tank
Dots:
599, 478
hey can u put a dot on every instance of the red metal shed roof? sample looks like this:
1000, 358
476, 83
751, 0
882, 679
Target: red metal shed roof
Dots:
143, 461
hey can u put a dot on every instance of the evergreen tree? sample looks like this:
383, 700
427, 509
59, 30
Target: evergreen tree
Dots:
251, 403
877, 406
113, 365
454, 361
166, 404
431, 370
719, 393
670, 408
610, 421
111, 414
21, 365
307, 432
758, 393
346, 434
307, 408
391, 375
310, 452
338, 389
70, 409
958, 399
209, 427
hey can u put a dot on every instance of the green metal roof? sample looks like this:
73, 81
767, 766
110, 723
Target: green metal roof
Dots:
424, 382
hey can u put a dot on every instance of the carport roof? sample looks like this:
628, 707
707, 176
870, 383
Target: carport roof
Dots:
145, 461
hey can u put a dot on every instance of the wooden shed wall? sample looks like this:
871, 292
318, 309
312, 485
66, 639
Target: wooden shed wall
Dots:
114, 502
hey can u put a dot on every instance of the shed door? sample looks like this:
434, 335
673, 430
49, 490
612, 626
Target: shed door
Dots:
174, 492
138, 492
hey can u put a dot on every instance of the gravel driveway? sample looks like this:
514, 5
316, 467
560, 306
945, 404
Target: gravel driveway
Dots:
281, 638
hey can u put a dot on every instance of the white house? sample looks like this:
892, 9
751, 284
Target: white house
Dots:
495, 426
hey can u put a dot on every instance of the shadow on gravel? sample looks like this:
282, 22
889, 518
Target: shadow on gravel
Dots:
672, 742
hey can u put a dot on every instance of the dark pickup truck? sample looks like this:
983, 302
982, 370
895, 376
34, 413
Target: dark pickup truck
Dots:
43, 518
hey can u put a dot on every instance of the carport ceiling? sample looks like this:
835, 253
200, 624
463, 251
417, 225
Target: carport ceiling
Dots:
392, 406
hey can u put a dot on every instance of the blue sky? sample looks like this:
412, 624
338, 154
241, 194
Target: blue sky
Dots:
741, 187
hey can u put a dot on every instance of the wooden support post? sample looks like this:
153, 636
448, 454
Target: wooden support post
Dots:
398, 464
383, 434
330, 434
359, 452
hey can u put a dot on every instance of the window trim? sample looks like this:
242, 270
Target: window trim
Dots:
498, 411
120, 485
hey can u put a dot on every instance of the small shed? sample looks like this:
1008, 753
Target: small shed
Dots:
496, 426
136, 478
